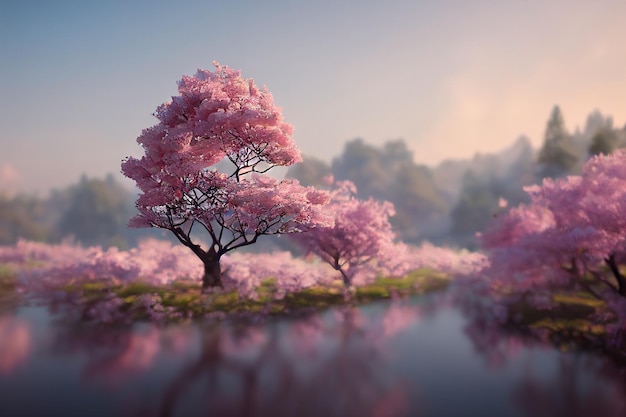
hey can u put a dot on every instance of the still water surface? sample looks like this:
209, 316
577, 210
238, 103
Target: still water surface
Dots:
414, 358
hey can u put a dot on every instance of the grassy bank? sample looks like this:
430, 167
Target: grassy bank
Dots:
8, 295
577, 320
186, 298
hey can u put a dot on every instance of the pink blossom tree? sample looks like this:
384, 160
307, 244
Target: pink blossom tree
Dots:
220, 120
361, 238
571, 235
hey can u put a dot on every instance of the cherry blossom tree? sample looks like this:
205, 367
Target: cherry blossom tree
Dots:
571, 235
220, 120
361, 238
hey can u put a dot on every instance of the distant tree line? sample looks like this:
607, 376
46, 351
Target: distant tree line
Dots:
449, 203
445, 204
92, 212
384, 174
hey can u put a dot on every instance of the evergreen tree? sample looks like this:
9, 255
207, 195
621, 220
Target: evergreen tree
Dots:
605, 141
477, 204
558, 156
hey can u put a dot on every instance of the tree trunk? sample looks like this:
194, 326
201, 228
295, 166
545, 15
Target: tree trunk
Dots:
621, 281
212, 272
346, 281
210, 258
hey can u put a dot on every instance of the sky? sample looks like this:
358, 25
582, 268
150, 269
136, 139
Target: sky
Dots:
79, 80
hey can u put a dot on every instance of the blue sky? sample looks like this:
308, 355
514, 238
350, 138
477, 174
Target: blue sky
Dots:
79, 80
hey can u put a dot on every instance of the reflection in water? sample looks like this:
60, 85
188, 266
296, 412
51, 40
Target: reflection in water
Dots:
317, 365
560, 387
565, 393
136, 355
15, 341
248, 374
385, 359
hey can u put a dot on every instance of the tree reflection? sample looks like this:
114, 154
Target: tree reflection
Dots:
567, 393
577, 383
15, 343
329, 364
343, 362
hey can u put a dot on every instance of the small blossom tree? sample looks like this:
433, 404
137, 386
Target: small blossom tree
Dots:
361, 238
220, 119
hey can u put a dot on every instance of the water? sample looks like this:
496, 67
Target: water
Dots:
415, 358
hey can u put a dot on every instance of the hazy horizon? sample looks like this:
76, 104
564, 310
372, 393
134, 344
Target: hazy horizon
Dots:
78, 81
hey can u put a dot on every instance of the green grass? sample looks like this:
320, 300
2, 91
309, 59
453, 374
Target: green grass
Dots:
417, 282
136, 288
187, 298
580, 299
569, 322
8, 296
186, 295
7, 279
572, 327
568, 306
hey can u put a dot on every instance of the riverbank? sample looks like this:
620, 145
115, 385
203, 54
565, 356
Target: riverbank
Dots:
183, 299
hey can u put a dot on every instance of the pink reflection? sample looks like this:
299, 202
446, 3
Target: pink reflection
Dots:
565, 393
319, 365
244, 342
583, 384
15, 343
322, 364
398, 318
136, 356
306, 335
496, 345
392, 403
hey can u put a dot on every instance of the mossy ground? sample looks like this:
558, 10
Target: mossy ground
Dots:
572, 322
187, 298
8, 296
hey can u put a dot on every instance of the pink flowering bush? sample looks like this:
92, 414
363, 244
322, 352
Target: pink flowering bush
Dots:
153, 261
407, 258
119, 286
27, 253
47, 271
245, 273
